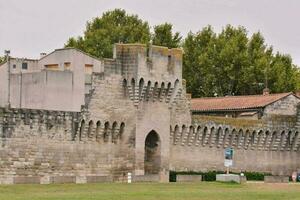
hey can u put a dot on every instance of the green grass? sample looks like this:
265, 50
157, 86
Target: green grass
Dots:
155, 191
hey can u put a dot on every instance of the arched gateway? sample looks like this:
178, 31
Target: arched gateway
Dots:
152, 153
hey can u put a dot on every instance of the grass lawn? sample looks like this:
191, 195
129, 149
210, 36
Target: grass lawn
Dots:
155, 191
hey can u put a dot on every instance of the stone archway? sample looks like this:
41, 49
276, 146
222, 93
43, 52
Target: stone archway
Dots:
152, 153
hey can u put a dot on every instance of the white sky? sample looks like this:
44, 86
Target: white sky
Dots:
28, 27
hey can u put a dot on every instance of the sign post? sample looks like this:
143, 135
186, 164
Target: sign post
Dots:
228, 159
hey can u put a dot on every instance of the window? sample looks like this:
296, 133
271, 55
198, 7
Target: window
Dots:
169, 59
24, 66
67, 65
52, 66
88, 68
14, 66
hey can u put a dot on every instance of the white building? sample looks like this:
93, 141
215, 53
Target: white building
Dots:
57, 81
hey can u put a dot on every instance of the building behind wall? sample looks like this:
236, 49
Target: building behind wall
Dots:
248, 107
70, 117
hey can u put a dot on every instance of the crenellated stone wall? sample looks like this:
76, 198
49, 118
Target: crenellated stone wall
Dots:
257, 146
136, 118
54, 147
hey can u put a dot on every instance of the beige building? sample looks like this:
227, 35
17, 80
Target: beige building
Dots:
57, 81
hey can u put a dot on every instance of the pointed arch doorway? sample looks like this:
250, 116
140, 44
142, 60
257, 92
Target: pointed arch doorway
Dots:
152, 160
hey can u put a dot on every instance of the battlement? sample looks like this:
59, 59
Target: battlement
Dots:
120, 49
150, 52
175, 53
148, 62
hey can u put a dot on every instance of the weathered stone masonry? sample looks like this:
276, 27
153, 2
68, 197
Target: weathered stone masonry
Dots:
136, 118
258, 147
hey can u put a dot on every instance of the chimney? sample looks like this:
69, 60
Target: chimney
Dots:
266, 91
42, 55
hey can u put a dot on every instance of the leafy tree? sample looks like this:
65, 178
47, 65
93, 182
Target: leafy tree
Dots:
259, 57
163, 36
227, 63
196, 60
282, 74
112, 27
2, 59
296, 77
231, 63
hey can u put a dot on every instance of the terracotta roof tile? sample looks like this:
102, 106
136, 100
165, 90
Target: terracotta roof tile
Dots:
235, 102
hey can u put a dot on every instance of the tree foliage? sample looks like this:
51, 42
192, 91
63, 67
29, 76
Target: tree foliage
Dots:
117, 26
113, 27
2, 59
163, 36
231, 63
214, 64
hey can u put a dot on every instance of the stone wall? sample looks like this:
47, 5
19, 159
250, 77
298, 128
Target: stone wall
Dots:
257, 147
135, 117
286, 106
52, 147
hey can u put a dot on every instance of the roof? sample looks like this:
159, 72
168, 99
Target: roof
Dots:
235, 102
72, 48
15, 58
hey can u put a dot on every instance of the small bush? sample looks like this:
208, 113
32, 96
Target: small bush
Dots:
256, 176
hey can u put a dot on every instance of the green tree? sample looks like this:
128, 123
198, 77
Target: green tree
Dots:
281, 75
227, 63
259, 57
197, 60
296, 77
231, 63
2, 59
163, 36
112, 27
215, 62
230, 60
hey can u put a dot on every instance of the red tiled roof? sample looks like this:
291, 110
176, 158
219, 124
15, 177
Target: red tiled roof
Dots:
235, 102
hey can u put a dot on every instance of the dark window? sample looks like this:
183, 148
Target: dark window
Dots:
14, 66
24, 66
169, 60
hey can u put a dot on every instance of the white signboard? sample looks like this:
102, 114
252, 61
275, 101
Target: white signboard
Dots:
228, 163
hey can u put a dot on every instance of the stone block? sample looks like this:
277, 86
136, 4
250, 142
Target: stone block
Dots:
6, 180
276, 179
228, 178
188, 178
146, 178
64, 179
27, 180
98, 179
243, 179
46, 180
81, 179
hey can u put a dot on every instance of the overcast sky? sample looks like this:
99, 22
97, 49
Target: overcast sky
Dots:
28, 27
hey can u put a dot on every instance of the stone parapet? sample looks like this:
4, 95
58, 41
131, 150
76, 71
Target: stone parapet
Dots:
276, 179
188, 178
